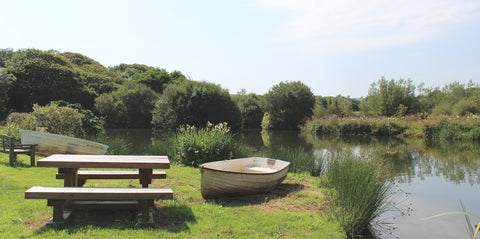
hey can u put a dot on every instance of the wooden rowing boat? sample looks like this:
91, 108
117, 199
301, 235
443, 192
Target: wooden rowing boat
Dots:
241, 176
49, 144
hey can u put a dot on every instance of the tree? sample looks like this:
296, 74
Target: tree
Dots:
128, 107
289, 104
195, 103
250, 110
158, 79
390, 98
42, 77
6, 81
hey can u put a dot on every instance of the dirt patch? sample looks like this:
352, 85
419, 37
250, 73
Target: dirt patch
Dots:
35, 225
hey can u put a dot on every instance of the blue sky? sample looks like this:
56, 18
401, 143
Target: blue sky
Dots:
334, 47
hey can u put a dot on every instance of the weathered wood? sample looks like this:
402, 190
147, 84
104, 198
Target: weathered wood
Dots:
108, 174
59, 196
9, 145
79, 193
84, 175
241, 176
104, 161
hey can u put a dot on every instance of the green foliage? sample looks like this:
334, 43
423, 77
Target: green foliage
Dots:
390, 98
466, 107
42, 77
52, 119
128, 107
91, 124
195, 146
195, 103
6, 81
158, 79
357, 126
251, 111
266, 122
362, 191
464, 128
289, 104
339, 106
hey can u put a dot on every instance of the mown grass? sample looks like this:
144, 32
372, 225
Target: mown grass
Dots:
293, 210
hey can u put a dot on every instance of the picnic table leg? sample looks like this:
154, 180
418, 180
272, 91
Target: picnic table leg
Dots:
58, 210
145, 206
145, 176
70, 176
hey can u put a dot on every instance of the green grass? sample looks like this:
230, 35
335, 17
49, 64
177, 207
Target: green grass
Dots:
294, 210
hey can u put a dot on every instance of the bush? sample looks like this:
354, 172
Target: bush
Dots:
195, 104
130, 106
289, 104
250, 111
362, 191
195, 146
52, 119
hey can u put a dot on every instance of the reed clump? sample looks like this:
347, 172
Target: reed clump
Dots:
361, 191
194, 146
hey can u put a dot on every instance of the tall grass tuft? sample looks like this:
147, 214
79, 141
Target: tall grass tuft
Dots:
194, 146
362, 191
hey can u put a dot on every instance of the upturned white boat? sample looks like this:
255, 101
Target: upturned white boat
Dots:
49, 144
241, 176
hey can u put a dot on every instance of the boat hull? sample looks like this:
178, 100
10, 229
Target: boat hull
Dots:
241, 176
49, 144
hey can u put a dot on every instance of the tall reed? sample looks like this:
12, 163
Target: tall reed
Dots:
194, 146
362, 191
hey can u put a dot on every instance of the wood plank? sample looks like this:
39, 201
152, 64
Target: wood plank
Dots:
107, 174
104, 161
78, 193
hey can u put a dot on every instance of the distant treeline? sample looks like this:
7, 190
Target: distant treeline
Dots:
140, 96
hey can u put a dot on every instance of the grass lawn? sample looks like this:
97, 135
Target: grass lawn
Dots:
293, 210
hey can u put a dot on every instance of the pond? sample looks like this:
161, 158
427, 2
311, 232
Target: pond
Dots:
432, 177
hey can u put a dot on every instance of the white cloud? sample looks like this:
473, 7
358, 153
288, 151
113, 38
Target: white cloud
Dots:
332, 25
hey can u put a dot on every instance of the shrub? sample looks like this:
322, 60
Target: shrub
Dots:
195, 104
195, 146
52, 119
362, 191
289, 104
130, 106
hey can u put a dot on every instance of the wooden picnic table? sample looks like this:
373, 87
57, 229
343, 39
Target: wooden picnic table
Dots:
68, 164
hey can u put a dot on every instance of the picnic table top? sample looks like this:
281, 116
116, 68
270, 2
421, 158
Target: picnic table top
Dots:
104, 161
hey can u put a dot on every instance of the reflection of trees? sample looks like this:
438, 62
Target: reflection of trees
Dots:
456, 161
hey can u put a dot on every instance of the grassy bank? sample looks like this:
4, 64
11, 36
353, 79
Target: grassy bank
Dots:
443, 127
294, 210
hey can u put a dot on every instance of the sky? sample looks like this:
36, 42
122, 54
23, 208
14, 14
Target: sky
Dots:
335, 47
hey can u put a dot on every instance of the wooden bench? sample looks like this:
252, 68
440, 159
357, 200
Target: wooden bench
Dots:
59, 198
9, 145
83, 175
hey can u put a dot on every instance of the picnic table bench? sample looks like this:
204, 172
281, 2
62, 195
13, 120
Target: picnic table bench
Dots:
61, 198
58, 197
9, 145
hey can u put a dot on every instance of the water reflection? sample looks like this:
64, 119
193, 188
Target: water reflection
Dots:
435, 175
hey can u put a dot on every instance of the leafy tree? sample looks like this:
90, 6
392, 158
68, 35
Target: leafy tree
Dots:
158, 79
42, 77
195, 103
251, 111
289, 104
6, 81
339, 105
128, 107
128, 70
389, 98
5, 55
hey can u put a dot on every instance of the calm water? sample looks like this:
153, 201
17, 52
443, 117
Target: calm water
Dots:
432, 177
